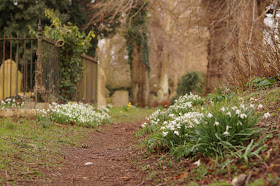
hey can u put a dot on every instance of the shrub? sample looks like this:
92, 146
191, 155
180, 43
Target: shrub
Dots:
191, 82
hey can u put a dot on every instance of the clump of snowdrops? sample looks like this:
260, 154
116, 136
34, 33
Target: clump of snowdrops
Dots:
193, 125
77, 113
10, 102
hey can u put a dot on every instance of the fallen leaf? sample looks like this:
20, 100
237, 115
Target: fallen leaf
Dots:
182, 176
197, 163
125, 178
274, 167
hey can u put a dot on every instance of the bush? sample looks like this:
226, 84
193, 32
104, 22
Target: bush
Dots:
194, 82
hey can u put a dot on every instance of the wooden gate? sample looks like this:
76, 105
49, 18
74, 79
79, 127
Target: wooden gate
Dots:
88, 85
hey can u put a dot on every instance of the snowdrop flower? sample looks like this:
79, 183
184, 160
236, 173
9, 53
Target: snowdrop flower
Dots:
223, 109
216, 123
242, 116
260, 106
234, 108
196, 121
238, 112
209, 115
226, 133
228, 127
252, 105
241, 99
266, 115
229, 114
164, 133
239, 123
176, 132
143, 125
171, 115
242, 106
252, 99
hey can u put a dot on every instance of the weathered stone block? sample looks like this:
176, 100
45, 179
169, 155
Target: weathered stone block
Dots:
30, 105
42, 106
20, 112
120, 98
101, 89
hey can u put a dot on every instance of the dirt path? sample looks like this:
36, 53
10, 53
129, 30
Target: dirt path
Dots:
108, 150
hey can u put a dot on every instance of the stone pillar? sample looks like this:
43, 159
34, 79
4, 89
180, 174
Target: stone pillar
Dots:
101, 87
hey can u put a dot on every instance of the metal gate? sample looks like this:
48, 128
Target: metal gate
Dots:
25, 59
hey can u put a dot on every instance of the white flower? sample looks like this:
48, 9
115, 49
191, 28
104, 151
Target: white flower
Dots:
216, 123
229, 114
209, 115
266, 115
223, 109
238, 112
197, 163
252, 99
234, 108
171, 115
164, 133
260, 106
239, 123
241, 99
252, 105
176, 132
228, 127
242, 116
143, 125
226, 133
242, 106
196, 121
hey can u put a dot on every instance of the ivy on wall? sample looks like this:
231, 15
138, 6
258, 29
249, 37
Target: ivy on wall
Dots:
75, 44
136, 33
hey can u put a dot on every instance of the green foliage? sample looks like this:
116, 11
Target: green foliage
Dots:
136, 33
259, 82
221, 95
18, 16
75, 44
43, 120
244, 153
232, 126
190, 127
191, 82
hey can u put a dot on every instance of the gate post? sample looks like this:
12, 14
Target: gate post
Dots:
39, 85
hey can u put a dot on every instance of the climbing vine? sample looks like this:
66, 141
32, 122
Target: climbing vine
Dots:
136, 33
75, 44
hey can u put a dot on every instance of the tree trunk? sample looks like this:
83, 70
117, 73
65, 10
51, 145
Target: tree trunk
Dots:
163, 82
139, 79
